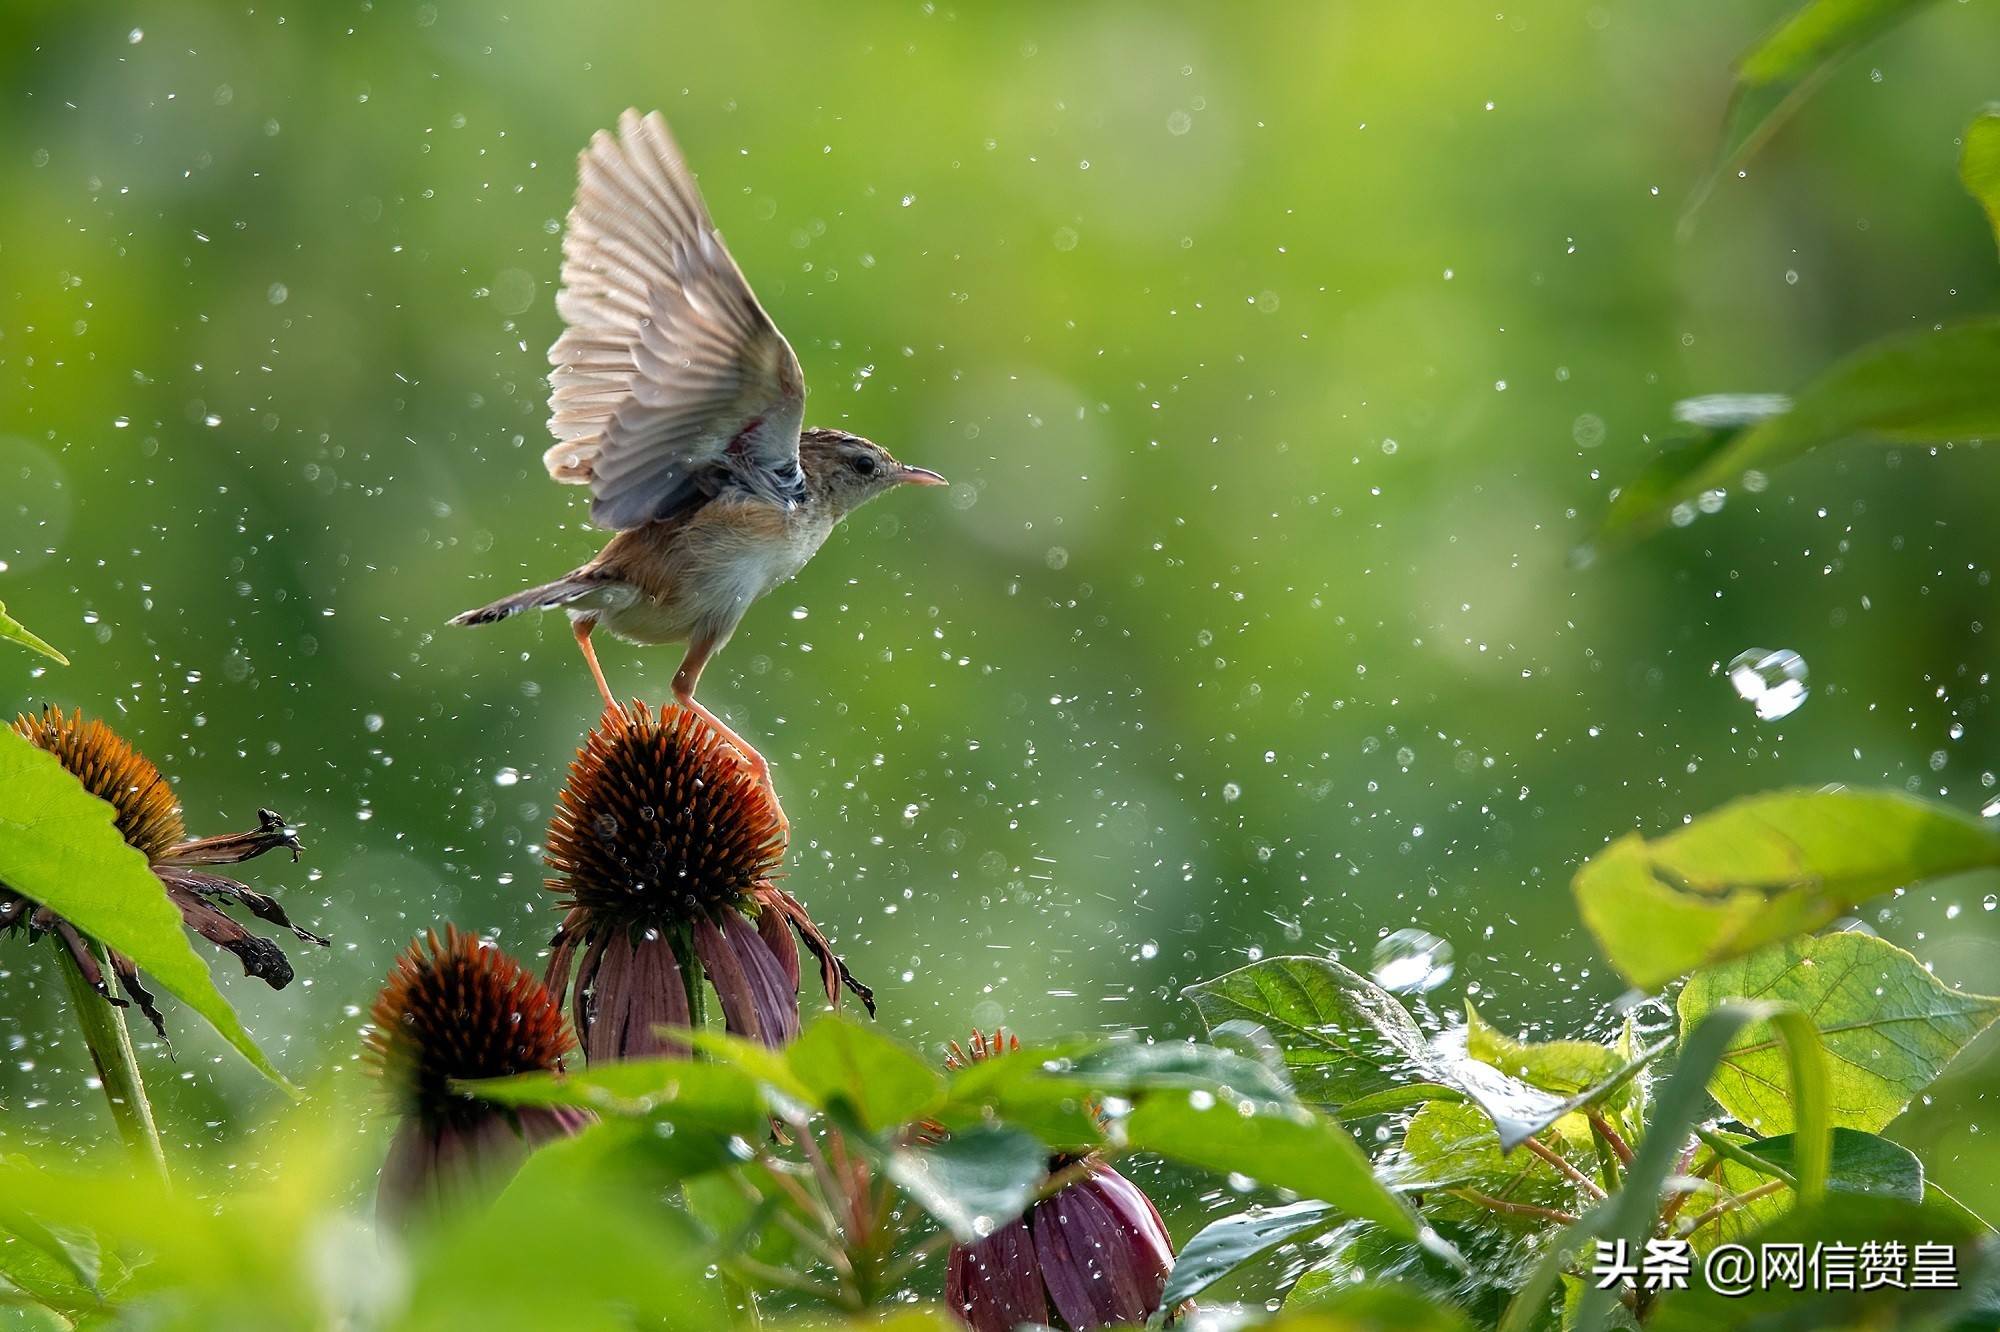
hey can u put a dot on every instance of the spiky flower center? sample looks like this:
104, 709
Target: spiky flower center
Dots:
149, 818
661, 824
460, 1009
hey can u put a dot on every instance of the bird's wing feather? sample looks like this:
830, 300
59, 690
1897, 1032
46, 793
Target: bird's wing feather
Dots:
669, 374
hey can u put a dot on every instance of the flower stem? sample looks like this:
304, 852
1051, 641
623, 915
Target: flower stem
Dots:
110, 1045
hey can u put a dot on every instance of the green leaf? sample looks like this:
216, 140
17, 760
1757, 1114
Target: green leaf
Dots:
1763, 869
974, 1180
1397, 1098
1343, 1036
1456, 1147
1371, 1307
1280, 1146
1567, 1067
1630, 1213
882, 1084
1130, 1067
574, 1242
13, 630
1774, 78
1223, 1246
1704, 429
719, 1098
1979, 163
1888, 1024
59, 845
1925, 386
1858, 1163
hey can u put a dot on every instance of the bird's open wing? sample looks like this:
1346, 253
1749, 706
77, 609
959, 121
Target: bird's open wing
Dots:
669, 374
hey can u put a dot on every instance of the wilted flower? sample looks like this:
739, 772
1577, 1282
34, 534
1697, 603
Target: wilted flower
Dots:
663, 844
1096, 1250
149, 818
460, 1009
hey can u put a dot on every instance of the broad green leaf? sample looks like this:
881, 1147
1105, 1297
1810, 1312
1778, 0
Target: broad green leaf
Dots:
1623, 1093
60, 846
1129, 1067
1342, 1035
1405, 1097
1223, 1246
716, 1097
1775, 77
1979, 163
1849, 1219
13, 630
1450, 1147
1371, 1307
1889, 1026
1030, 1089
1054, 1092
1359, 1255
570, 1244
1927, 386
882, 1084
973, 1180
1763, 869
1568, 1067
1858, 1163
758, 1061
1280, 1146
1629, 1214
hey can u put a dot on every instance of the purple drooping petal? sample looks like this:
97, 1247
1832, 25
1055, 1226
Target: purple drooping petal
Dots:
657, 998
431, 1167
777, 999
609, 996
1103, 1255
995, 1284
784, 945
732, 986
582, 1015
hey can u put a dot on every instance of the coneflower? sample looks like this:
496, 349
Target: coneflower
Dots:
663, 846
458, 1009
1092, 1254
149, 818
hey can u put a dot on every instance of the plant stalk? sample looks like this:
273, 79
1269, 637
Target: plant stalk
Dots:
110, 1046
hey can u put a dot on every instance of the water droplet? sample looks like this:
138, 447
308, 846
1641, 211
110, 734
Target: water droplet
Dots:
1411, 961
1774, 683
506, 777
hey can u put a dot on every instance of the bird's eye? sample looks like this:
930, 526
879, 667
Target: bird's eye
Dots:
864, 464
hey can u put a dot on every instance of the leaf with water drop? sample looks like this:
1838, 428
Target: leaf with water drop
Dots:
973, 1180
1889, 1027
1927, 386
1762, 869
1279, 1146
1343, 1036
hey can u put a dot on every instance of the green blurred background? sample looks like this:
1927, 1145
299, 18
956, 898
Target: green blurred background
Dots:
1279, 357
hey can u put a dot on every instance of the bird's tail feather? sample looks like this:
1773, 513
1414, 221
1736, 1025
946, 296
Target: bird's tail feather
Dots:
546, 597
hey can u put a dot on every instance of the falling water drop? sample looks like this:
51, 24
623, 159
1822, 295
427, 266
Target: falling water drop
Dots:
1411, 961
1774, 683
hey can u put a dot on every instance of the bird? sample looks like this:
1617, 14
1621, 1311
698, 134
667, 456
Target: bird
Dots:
675, 398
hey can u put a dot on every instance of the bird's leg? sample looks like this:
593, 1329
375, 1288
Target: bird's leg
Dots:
582, 627
685, 680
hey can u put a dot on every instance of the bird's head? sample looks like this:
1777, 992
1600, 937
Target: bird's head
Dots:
846, 471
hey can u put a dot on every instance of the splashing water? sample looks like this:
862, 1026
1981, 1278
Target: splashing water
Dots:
1411, 961
1774, 683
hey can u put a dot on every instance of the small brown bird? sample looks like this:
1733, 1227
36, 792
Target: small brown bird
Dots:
677, 401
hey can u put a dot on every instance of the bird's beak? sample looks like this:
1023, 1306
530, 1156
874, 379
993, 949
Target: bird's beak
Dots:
920, 476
